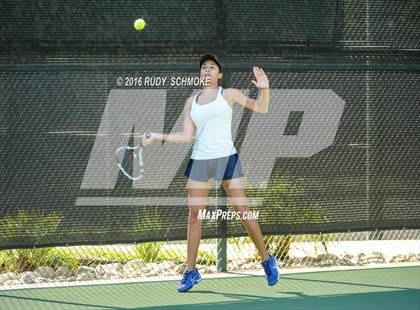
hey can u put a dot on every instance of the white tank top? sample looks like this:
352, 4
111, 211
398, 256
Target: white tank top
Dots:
214, 125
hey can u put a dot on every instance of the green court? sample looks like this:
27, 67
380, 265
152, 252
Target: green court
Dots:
384, 288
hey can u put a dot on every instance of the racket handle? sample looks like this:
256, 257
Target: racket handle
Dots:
147, 135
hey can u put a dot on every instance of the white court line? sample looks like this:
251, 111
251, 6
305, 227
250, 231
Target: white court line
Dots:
147, 201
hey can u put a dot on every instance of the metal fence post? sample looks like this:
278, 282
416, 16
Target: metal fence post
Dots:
221, 257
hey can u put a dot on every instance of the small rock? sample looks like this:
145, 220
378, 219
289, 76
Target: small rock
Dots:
45, 272
313, 261
325, 263
152, 266
12, 282
86, 276
210, 269
115, 266
375, 258
109, 270
398, 259
233, 266
412, 257
361, 259
345, 261
28, 277
85, 273
65, 271
348, 255
247, 266
326, 260
327, 257
136, 265
298, 261
8, 276
85, 270
104, 276
166, 265
153, 273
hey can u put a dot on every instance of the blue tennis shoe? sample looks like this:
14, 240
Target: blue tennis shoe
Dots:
270, 269
189, 279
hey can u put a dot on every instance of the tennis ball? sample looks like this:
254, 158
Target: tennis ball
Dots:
139, 24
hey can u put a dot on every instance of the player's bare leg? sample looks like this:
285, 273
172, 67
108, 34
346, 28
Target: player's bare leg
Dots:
236, 192
197, 196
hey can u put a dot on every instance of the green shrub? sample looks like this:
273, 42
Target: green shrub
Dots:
279, 245
7, 261
31, 227
149, 251
175, 256
283, 199
238, 241
206, 258
20, 260
91, 255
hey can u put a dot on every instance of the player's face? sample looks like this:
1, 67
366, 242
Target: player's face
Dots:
209, 70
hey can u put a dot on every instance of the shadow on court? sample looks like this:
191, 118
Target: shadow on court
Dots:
405, 299
402, 299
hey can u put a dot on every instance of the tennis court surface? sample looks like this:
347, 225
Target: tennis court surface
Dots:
382, 288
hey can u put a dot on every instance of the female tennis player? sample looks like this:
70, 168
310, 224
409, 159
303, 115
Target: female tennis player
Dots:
214, 156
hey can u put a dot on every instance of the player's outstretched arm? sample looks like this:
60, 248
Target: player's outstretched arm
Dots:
185, 136
260, 105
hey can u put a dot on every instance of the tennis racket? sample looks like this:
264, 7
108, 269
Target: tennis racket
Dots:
137, 157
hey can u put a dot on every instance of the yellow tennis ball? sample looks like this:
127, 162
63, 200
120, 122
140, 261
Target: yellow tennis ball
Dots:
139, 24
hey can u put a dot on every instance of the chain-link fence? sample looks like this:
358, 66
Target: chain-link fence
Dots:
166, 260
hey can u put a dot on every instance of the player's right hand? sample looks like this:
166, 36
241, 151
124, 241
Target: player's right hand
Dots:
145, 140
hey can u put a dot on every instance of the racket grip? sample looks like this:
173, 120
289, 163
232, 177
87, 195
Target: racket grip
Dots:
147, 135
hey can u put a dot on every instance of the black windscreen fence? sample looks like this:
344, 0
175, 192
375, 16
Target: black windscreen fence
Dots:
337, 151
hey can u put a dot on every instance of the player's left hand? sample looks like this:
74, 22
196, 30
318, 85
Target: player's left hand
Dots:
261, 78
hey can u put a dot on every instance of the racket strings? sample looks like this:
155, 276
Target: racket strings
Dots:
137, 153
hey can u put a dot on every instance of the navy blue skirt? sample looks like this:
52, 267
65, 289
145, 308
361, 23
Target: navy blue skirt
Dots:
223, 168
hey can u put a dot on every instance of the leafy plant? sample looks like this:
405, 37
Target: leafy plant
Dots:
321, 240
34, 228
279, 245
149, 251
282, 199
239, 241
94, 255
30, 259
206, 258
173, 255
